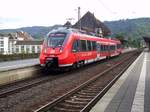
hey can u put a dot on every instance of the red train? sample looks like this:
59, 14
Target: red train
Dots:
69, 47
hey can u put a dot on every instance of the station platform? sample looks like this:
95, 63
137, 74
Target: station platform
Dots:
131, 92
9, 65
15, 64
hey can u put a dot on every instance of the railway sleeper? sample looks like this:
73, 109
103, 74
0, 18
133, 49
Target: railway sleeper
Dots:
76, 102
94, 88
84, 96
58, 109
68, 105
87, 94
90, 91
80, 99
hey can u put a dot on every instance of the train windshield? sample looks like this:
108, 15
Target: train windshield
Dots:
56, 39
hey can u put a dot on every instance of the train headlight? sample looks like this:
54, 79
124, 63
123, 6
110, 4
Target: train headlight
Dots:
60, 49
45, 50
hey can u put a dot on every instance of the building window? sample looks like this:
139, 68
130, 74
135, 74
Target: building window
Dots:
22, 49
38, 49
17, 49
1, 50
27, 49
33, 49
1, 43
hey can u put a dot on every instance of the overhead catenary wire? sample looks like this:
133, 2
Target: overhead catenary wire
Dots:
106, 7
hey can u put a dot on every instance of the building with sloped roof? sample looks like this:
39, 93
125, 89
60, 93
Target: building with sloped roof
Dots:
91, 24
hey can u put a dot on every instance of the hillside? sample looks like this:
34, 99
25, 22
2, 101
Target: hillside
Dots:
37, 32
133, 28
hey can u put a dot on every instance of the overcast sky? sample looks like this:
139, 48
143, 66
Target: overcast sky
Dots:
22, 13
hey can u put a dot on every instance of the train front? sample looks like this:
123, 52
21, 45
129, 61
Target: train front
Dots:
53, 49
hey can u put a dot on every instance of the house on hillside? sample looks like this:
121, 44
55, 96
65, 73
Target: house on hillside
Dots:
91, 24
18, 42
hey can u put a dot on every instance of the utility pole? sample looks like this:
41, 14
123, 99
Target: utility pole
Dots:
79, 17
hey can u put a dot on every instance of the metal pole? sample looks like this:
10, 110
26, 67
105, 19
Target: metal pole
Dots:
79, 17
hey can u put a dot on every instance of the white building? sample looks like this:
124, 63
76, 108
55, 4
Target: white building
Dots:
28, 46
19, 42
4, 44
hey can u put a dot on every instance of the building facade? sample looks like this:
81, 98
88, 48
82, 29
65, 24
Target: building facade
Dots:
4, 44
19, 42
28, 46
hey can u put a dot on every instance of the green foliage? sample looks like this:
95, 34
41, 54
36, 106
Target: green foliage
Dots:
130, 42
37, 32
134, 28
120, 36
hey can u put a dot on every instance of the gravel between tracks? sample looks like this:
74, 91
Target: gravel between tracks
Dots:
27, 100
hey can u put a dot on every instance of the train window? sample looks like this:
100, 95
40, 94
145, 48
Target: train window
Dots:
89, 45
102, 48
106, 48
118, 46
93, 45
112, 47
56, 39
83, 45
98, 47
75, 46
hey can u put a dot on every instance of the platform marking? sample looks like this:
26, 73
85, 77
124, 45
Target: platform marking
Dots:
106, 99
138, 103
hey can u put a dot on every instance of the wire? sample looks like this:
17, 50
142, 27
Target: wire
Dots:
107, 8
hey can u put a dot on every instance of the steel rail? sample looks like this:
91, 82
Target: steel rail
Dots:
63, 97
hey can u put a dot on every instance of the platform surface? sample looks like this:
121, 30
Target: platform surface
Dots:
131, 93
8, 65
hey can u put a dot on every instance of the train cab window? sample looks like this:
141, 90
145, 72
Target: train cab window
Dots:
75, 46
93, 45
89, 45
56, 39
83, 45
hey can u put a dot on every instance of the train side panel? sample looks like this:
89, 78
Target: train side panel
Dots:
77, 49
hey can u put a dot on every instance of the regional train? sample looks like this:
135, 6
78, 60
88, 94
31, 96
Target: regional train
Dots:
72, 48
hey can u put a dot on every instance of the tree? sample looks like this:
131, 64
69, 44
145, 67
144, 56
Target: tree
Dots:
121, 36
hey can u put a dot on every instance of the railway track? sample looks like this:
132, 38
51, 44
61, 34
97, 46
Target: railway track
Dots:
22, 85
83, 97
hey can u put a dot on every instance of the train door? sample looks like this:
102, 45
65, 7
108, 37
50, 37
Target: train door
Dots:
75, 51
